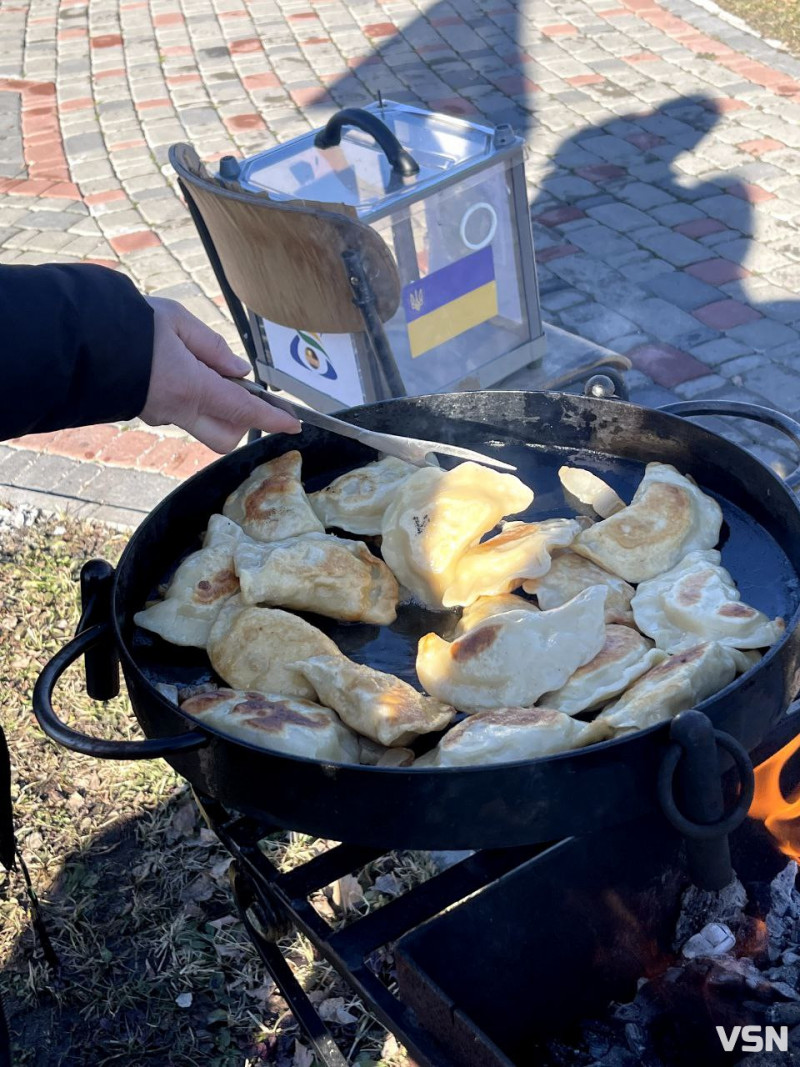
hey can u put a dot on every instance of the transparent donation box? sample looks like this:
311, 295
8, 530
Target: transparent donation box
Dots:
459, 232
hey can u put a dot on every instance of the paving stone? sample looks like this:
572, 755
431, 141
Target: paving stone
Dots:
681, 289
764, 335
718, 351
595, 321
699, 387
666, 365
779, 385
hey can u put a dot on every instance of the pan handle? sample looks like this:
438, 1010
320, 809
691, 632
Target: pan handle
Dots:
769, 416
64, 735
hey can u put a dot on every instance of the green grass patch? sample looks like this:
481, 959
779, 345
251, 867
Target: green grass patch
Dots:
778, 19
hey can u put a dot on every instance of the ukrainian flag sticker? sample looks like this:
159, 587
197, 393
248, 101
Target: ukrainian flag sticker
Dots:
450, 301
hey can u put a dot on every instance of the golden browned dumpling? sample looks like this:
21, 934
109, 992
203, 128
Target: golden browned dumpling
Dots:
258, 648
321, 573
511, 659
486, 607
569, 575
677, 684
357, 500
520, 550
668, 517
271, 504
624, 657
203, 582
698, 601
509, 734
437, 515
276, 723
376, 705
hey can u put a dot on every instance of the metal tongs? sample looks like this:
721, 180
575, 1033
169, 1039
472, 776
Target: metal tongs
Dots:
411, 449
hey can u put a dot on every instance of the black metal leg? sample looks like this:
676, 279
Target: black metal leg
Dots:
300, 1006
364, 299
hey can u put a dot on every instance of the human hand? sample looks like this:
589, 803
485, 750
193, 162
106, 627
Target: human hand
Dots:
187, 386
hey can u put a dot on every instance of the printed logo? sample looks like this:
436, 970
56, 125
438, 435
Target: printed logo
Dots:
416, 299
308, 351
755, 1038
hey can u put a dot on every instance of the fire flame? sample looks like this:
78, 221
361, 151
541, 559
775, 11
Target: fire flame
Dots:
780, 814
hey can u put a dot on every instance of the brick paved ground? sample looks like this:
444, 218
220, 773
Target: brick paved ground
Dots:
663, 166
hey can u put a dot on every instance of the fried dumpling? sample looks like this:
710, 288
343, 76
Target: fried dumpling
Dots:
258, 648
437, 515
276, 723
698, 601
668, 517
376, 705
679, 683
321, 573
486, 607
624, 657
356, 501
271, 504
520, 550
569, 575
511, 659
591, 490
203, 582
508, 734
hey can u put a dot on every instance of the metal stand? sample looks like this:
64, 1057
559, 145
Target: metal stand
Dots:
364, 299
271, 903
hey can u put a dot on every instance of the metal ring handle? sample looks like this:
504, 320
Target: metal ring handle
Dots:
331, 134
755, 412
59, 732
728, 823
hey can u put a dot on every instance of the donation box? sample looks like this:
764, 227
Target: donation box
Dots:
458, 228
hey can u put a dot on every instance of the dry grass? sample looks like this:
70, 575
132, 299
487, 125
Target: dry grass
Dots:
134, 890
777, 19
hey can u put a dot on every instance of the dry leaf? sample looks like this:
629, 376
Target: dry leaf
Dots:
303, 1057
347, 893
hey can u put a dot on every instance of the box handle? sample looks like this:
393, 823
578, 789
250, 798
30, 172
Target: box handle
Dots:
331, 134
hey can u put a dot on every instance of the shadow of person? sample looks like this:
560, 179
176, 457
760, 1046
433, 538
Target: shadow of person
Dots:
154, 967
456, 58
641, 253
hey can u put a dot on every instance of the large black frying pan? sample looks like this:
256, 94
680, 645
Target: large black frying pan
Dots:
491, 806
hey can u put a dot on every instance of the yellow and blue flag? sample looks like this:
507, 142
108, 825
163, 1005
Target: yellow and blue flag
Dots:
450, 301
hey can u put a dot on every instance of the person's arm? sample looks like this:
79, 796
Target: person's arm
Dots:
77, 345
80, 345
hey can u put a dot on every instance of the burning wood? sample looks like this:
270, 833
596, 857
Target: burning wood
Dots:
731, 986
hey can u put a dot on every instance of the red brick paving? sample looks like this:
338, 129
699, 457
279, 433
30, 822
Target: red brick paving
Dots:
251, 121
556, 216
561, 29
758, 148
700, 227
135, 242
725, 314
380, 29
753, 194
667, 366
261, 81
717, 271
107, 40
555, 252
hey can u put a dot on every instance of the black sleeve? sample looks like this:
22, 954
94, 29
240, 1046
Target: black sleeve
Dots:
76, 344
